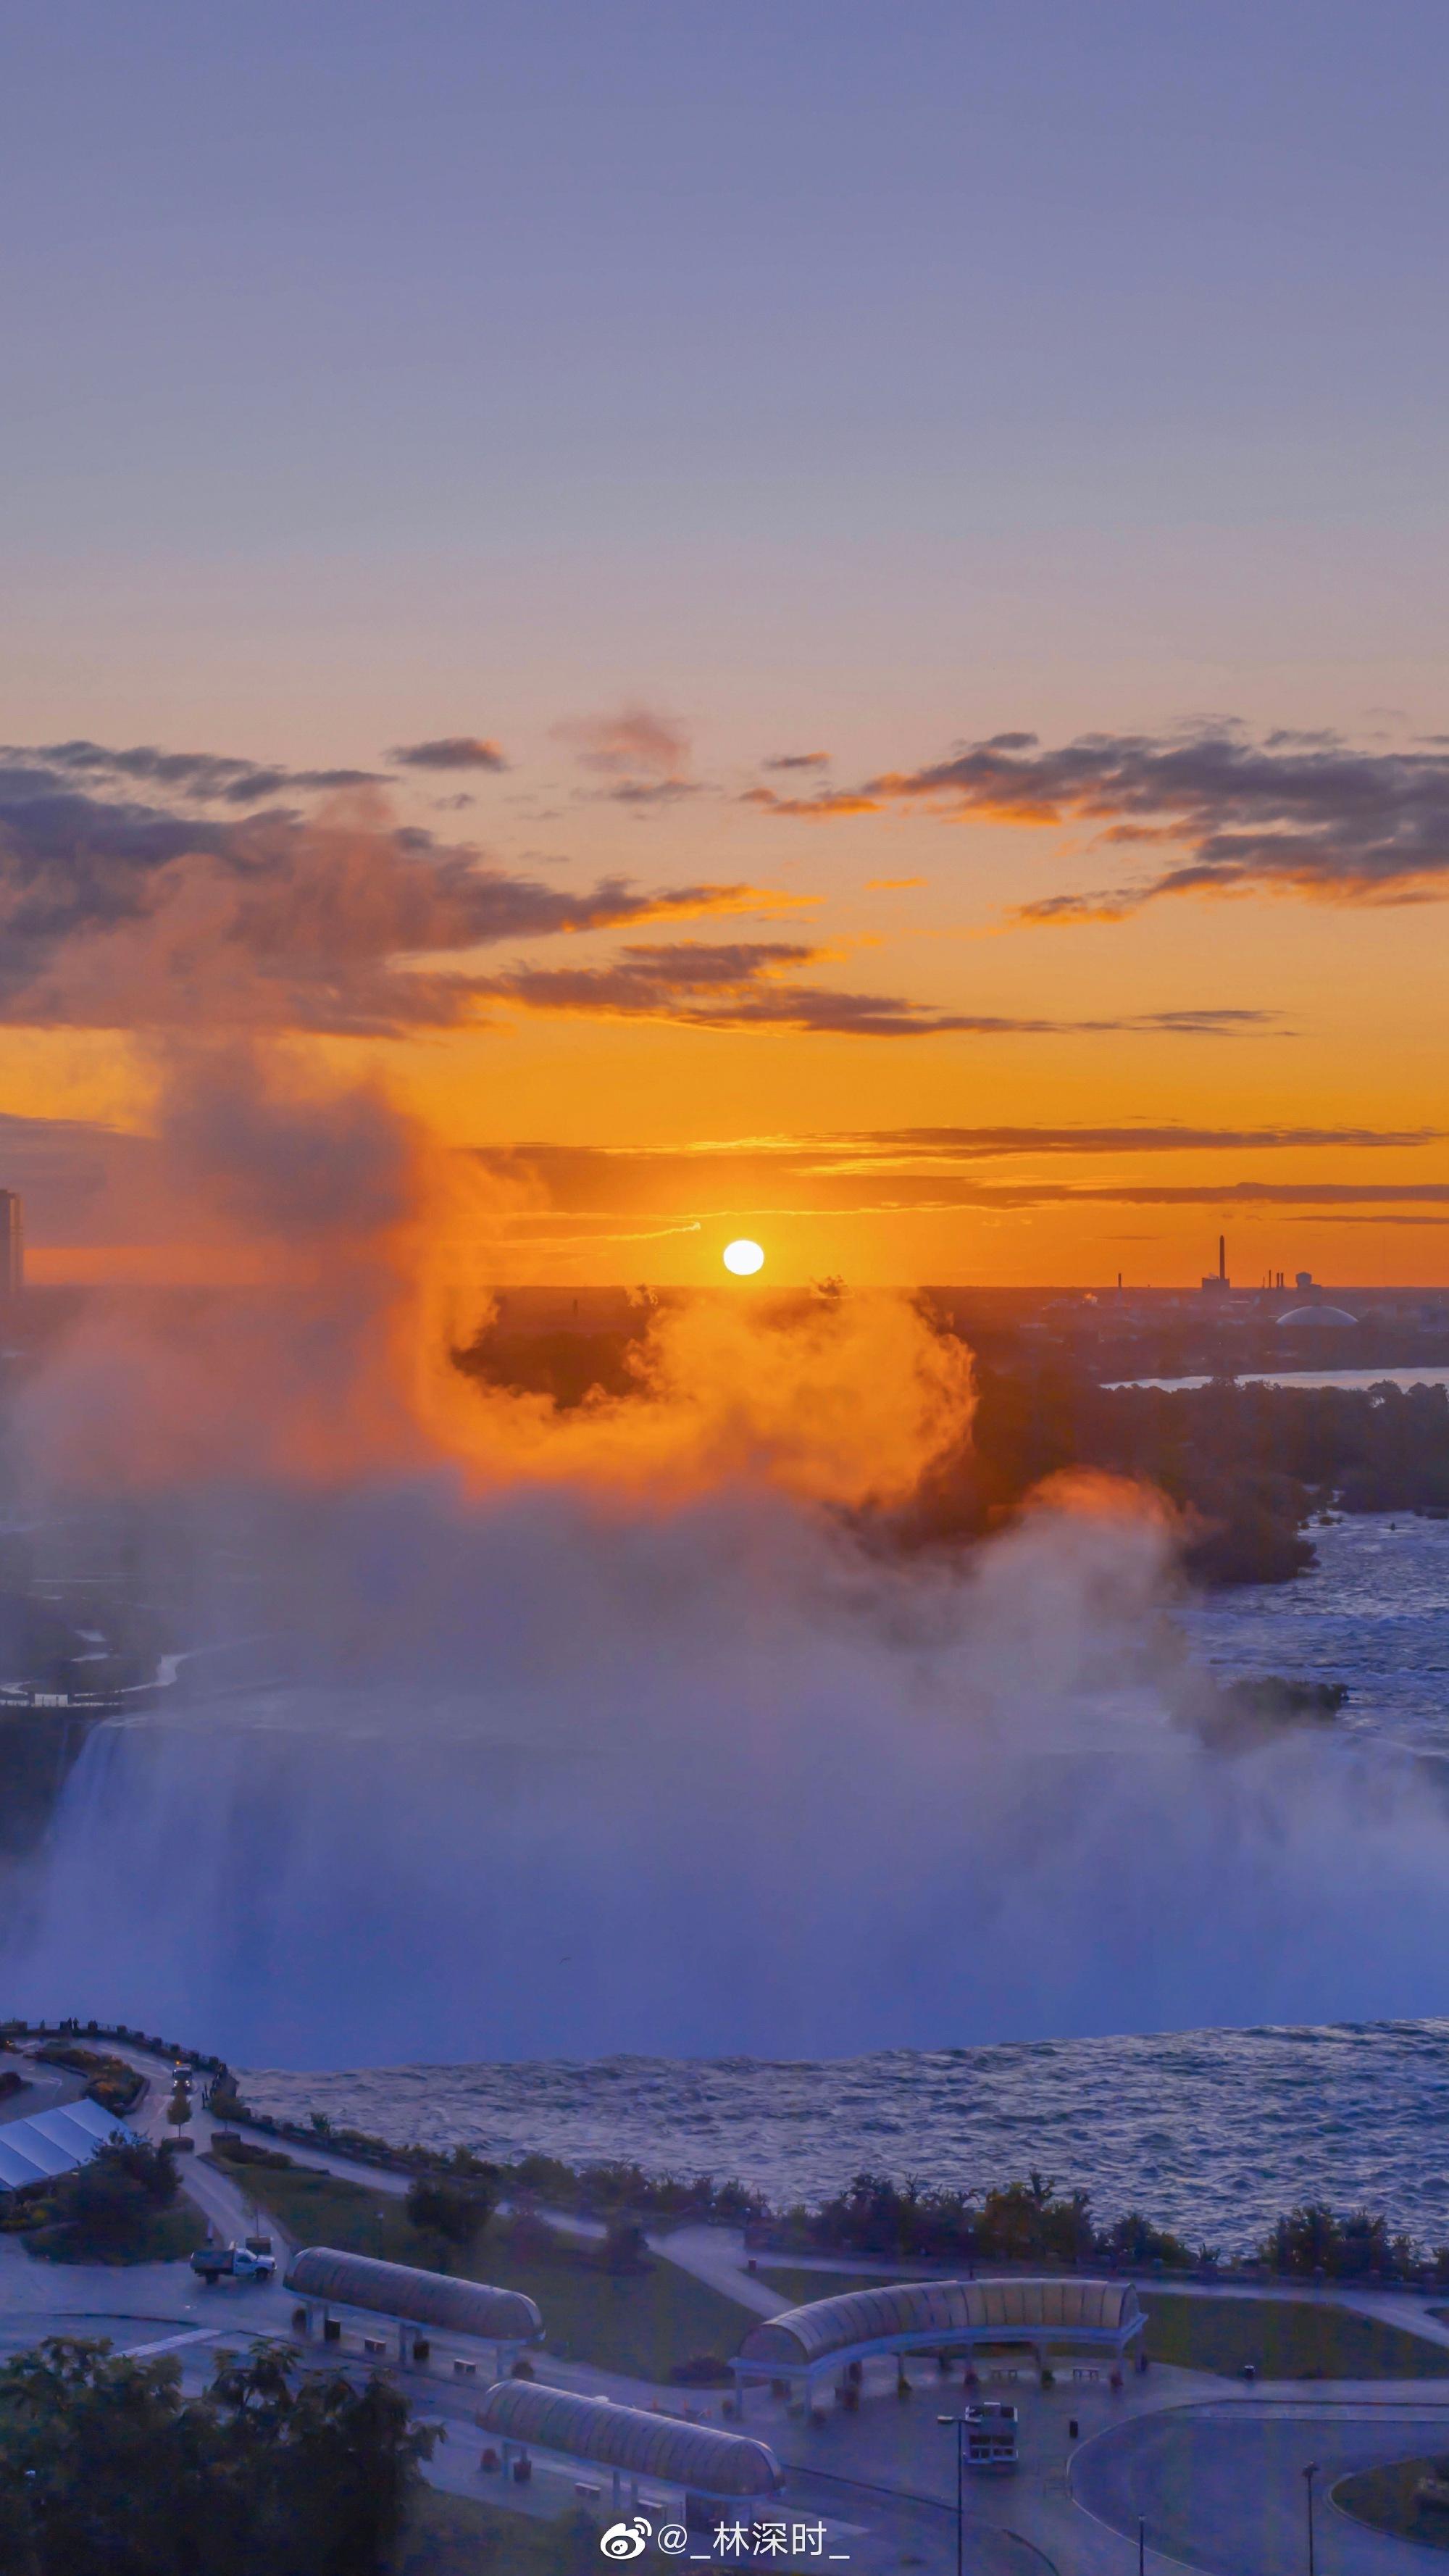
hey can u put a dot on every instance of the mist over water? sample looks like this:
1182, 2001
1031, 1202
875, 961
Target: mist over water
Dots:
515, 1731
538, 1775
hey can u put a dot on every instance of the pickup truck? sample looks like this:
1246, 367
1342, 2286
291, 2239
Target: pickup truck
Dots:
232, 2263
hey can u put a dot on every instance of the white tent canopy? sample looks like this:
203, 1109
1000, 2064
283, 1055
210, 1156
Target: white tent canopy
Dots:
55, 2142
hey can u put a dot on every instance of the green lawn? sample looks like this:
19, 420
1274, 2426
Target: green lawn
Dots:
801, 2287
450, 2535
166, 2236
1286, 2338
1384, 2498
641, 2324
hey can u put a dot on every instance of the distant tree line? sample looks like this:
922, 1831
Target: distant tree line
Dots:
1246, 1465
1032, 2222
1027, 2221
456, 2192
1018, 2222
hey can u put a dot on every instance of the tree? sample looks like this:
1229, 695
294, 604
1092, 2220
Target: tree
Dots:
104, 2471
1027, 2220
1133, 2239
93, 2471
1306, 2240
458, 2212
625, 2248
333, 2466
1316, 2240
178, 2109
153, 2168
124, 2184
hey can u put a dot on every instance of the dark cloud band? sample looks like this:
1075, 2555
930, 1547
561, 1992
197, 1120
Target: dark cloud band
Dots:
1305, 814
743, 986
120, 913
198, 777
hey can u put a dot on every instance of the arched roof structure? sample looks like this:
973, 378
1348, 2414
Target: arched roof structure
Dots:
929, 2315
419, 2298
1316, 1319
693, 2456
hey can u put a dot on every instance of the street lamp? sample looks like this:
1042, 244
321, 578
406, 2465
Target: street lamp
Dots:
1309, 2474
960, 2423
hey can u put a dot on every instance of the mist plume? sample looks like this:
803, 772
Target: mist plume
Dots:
566, 1731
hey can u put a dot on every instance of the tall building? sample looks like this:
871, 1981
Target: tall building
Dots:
12, 1243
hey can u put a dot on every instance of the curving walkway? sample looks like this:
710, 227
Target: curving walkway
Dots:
1221, 2487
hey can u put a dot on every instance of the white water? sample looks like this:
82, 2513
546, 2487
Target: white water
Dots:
566, 1786
1351, 1378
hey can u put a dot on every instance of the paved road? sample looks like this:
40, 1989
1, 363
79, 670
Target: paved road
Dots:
1219, 2482
43, 2088
1222, 2487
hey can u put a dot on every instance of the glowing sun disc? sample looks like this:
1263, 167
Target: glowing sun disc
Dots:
744, 1257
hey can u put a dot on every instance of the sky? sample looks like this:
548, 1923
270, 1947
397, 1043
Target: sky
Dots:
813, 621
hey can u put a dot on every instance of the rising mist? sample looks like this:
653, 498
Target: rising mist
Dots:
512, 1732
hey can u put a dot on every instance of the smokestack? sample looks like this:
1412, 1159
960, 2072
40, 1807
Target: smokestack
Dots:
12, 1244
1223, 1258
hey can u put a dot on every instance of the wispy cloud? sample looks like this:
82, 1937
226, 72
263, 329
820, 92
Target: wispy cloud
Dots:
1145, 1137
750, 985
797, 760
635, 742
914, 1170
196, 777
829, 804
650, 791
450, 751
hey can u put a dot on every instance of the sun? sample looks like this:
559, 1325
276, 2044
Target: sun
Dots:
744, 1257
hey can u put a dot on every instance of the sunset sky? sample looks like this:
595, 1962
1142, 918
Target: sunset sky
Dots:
817, 620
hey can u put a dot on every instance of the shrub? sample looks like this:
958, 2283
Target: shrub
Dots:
456, 2212
109, 2080
110, 2199
530, 2239
245, 2151
624, 2247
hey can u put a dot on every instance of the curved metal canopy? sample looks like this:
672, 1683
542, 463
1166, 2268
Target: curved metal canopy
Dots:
694, 2456
419, 2298
956, 2311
